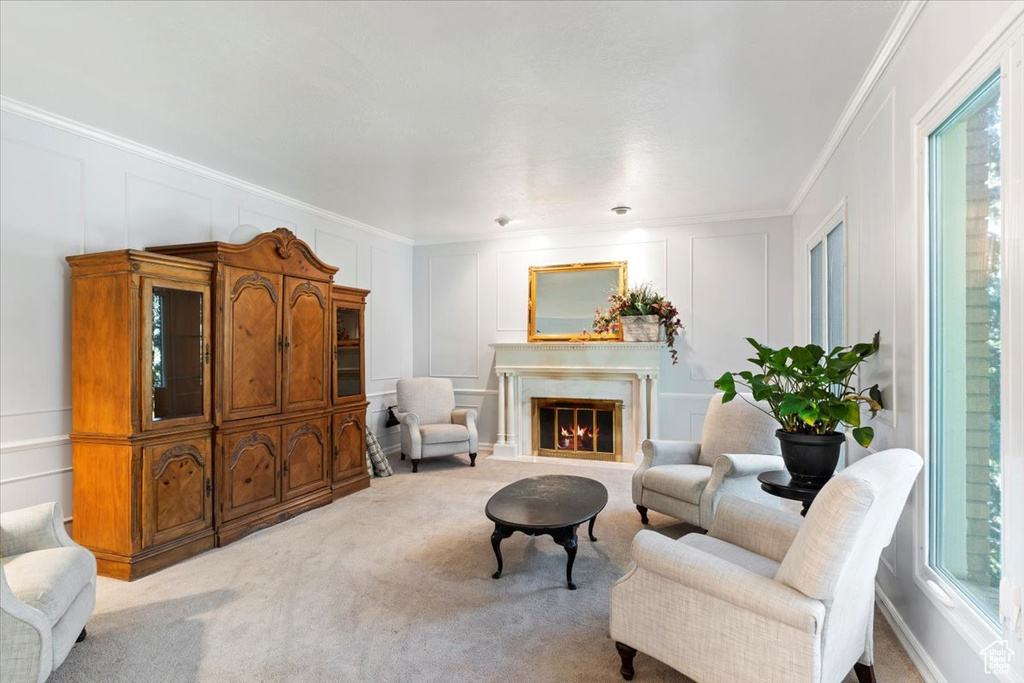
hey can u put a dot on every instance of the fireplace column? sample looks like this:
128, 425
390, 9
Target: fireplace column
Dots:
501, 409
652, 412
642, 427
505, 444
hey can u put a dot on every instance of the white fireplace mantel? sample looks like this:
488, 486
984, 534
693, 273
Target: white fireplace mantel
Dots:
626, 371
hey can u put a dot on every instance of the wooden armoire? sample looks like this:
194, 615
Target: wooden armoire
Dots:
217, 389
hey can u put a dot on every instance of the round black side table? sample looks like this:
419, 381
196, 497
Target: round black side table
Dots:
780, 483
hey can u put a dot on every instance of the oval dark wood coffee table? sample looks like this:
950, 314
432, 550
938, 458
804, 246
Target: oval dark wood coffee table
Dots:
550, 505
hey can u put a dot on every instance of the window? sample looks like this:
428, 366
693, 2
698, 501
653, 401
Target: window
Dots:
826, 266
965, 231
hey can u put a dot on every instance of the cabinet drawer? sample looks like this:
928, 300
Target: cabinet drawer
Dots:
177, 490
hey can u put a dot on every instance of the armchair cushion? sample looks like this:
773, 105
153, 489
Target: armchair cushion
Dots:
682, 482
443, 433
736, 427
760, 529
732, 553
50, 579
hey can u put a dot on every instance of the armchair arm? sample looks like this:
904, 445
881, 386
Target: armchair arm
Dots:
408, 419
723, 580
734, 473
26, 631
467, 418
662, 453
669, 453
33, 528
760, 529
412, 444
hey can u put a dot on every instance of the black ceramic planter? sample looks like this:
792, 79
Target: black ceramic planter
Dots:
810, 458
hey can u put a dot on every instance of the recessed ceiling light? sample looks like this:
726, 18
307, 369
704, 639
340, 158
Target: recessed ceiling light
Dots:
621, 210
502, 220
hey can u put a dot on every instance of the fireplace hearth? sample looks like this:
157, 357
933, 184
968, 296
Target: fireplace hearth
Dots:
577, 428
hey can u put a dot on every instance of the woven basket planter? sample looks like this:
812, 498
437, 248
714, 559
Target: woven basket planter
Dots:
640, 328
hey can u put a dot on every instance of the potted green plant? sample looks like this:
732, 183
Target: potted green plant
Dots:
809, 393
642, 314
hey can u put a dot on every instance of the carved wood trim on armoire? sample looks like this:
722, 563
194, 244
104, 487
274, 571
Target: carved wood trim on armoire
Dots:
217, 389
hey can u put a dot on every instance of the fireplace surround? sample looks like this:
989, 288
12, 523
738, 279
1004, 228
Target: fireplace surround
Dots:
626, 372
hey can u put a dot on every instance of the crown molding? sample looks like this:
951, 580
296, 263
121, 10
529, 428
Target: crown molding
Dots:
607, 227
898, 31
82, 130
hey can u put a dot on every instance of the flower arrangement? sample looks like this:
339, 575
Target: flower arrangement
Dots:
636, 301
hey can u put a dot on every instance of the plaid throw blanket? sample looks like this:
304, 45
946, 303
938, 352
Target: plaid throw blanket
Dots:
377, 463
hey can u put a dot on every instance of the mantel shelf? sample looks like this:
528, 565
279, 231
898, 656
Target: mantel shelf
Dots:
576, 346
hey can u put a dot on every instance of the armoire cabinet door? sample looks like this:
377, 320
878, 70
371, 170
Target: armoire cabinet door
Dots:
253, 343
249, 471
349, 456
177, 490
175, 353
305, 456
306, 344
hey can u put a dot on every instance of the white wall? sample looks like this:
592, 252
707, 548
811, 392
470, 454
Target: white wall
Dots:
729, 280
66, 194
874, 167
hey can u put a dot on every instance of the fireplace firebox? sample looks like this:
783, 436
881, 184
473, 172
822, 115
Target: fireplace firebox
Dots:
577, 428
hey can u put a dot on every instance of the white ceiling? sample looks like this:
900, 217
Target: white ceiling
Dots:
430, 119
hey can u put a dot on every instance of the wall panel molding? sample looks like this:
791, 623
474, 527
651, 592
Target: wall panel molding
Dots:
720, 283
67, 125
898, 31
474, 309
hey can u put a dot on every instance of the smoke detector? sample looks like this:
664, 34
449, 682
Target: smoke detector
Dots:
621, 210
502, 220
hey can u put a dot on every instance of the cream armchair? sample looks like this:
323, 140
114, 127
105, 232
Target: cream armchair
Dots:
686, 479
430, 423
47, 593
764, 597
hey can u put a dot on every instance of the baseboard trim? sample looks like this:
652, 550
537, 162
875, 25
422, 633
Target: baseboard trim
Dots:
921, 660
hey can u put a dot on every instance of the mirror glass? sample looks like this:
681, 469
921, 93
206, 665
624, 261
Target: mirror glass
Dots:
564, 298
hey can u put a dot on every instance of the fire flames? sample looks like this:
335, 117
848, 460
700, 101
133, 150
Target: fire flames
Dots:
581, 440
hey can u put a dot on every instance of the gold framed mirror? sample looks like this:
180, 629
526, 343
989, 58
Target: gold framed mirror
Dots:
563, 299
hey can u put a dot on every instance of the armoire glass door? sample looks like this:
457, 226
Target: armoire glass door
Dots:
177, 354
348, 352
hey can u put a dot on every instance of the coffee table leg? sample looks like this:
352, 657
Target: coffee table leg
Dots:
590, 529
568, 541
500, 532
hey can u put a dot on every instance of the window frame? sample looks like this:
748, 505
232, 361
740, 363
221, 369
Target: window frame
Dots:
839, 215
995, 55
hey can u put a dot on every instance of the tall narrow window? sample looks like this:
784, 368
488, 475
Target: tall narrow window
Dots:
827, 303
965, 230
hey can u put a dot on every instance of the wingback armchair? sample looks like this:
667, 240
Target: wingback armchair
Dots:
47, 592
686, 479
430, 423
764, 597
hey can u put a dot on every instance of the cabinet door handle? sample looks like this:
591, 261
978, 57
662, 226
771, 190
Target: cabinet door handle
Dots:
209, 487
287, 344
280, 342
335, 451
206, 356
284, 467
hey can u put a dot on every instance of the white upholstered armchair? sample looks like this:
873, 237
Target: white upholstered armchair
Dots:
47, 592
764, 597
686, 479
430, 423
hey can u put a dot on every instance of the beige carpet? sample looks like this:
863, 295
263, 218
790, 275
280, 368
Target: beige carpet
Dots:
391, 584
